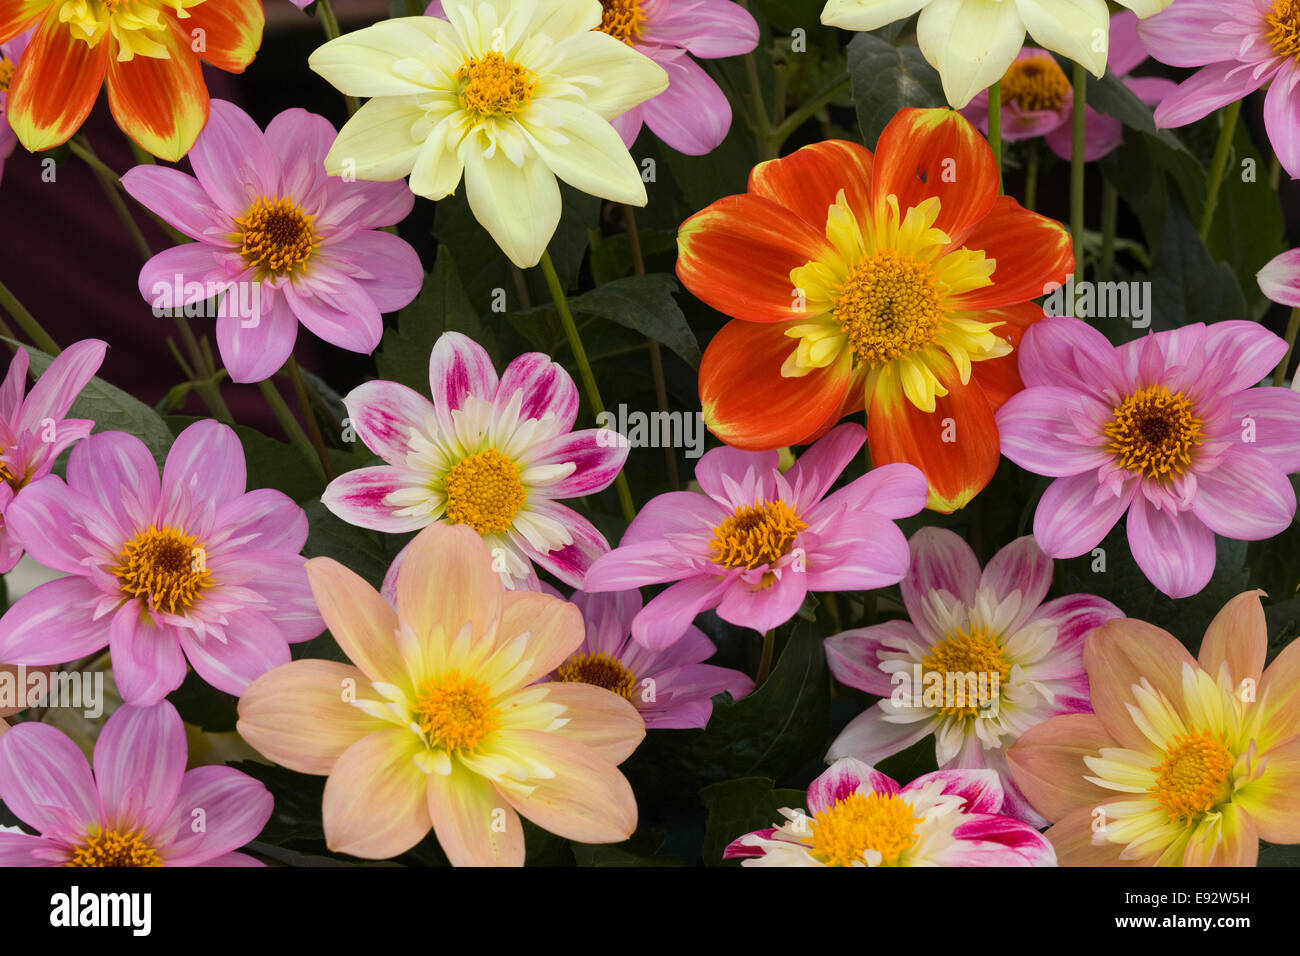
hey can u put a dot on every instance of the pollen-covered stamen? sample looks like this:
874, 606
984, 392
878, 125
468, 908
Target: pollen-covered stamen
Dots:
167, 568
491, 85
842, 833
888, 307
600, 670
6, 475
1035, 83
7, 69
622, 19
1193, 777
111, 848
1154, 433
276, 234
757, 535
485, 491
961, 653
455, 712
1284, 27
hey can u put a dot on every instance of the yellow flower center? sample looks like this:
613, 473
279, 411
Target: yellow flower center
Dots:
485, 491
622, 19
861, 822
1193, 777
277, 235
1154, 432
168, 568
7, 475
967, 652
600, 670
455, 712
1284, 27
7, 69
1035, 84
110, 848
137, 27
888, 307
494, 86
757, 535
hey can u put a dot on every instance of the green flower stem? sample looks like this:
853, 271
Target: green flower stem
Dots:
40, 338
313, 427
1076, 171
1292, 328
995, 127
291, 427
206, 386
329, 21
1031, 175
584, 370
1219, 164
80, 148
800, 116
765, 661
1109, 218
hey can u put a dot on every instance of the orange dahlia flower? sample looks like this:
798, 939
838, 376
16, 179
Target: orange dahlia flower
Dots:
899, 283
149, 51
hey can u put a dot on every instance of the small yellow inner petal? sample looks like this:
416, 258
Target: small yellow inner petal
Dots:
1193, 777
600, 670
841, 834
455, 712
167, 567
491, 85
111, 848
1154, 432
1035, 84
888, 307
967, 652
1284, 27
276, 234
757, 535
622, 19
485, 491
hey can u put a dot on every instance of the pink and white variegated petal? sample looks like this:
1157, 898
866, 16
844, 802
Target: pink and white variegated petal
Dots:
599, 454
941, 561
459, 368
358, 498
981, 788
855, 656
570, 562
45, 781
53, 623
994, 840
547, 389
139, 762
1020, 566
871, 738
207, 462
825, 460
845, 777
386, 415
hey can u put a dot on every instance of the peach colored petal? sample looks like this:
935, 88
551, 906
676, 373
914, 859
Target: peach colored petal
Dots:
598, 718
362, 622
297, 714
376, 802
475, 825
1072, 839
1121, 653
1047, 764
587, 800
447, 581
1273, 800
1279, 695
1237, 636
555, 627
1237, 844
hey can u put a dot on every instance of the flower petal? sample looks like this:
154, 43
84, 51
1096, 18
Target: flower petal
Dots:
376, 803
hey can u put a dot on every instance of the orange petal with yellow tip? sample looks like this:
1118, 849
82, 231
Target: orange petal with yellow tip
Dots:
55, 85
736, 255
16, 16
1047, 763
1238, 637
1273, 800
376, 803
1030, 252
1072, 840
936, 152
361, 621
599, 719
1000, 378
161, 104
474, 824
232, 32
746, 401
1121, 654
808, 181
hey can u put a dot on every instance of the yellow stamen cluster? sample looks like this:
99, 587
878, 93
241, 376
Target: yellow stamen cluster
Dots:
757, 535
485, 491
5, 474
1284, 27
861, 822
1193, 777
888, 307
967, 652
277, 235
455, 712
491, 85
1154, 432
166, 567
7, 69
622, 19
600, 670
110, 848
1036, 83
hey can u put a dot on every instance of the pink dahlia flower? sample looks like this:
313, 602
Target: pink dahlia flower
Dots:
857, 816
1242, 46
757, 541
672, 689
693, 115
191, 566
10, 54
1279, 280
981, 660
493, 453
33, 429
139, 806
1037, 99
284, 241
1167, 428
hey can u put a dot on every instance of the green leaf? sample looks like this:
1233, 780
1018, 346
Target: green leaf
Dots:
366, 552
1110, 95
886, 79
271, 463
1188, 285
737, 807
644, 304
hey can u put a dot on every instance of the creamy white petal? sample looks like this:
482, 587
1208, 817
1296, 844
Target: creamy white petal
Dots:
1078, 29
381, 142
519, 207
970, 42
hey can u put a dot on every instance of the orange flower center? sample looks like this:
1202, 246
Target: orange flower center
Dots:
1193, 777
455, 712
888, 307
485, 491
7, 69
757, 535
167, 568
277, 235
1284, 27
600, 670
1035, 84
622, 19
494, 86
842, 833
110, 848
961, 653
1154, 432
